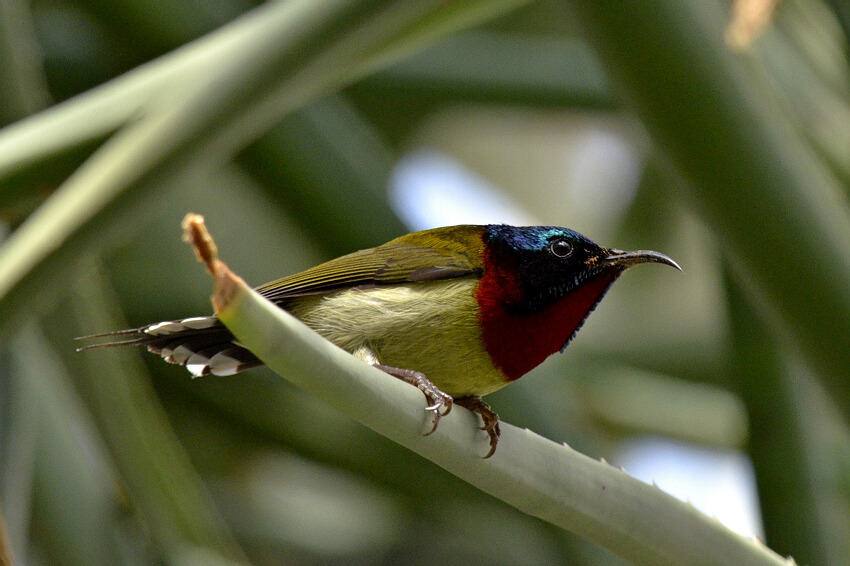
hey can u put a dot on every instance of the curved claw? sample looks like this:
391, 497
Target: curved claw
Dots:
494, 441
448, 403
442, 400
490, 418
435, 420
492, 429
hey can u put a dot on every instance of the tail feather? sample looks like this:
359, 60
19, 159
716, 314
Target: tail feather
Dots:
202, 344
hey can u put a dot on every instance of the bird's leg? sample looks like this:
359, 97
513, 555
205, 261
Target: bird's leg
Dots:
440, 402
491, 420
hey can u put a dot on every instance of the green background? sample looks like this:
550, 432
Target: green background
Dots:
120, 458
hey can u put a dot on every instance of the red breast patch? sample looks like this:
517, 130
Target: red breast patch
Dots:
518, 342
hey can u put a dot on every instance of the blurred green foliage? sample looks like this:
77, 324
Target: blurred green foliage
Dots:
113, 457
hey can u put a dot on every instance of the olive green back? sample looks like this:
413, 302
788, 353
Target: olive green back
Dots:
441, 253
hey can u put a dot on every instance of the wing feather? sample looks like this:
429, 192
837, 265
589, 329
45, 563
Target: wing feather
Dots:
443, 253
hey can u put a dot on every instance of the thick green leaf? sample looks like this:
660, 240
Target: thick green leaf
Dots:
537, 476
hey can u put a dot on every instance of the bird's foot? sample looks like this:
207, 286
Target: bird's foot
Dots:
491, 419
440, 403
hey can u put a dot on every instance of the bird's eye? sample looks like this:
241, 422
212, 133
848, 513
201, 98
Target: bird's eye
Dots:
561, 248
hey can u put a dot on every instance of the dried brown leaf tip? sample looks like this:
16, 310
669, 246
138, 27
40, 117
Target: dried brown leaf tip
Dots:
227, 284
749, 19
195, 233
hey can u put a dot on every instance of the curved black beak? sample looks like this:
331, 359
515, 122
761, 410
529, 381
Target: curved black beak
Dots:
628, 259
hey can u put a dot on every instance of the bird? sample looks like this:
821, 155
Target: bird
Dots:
457, 311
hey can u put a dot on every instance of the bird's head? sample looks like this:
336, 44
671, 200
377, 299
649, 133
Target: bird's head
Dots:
543, 264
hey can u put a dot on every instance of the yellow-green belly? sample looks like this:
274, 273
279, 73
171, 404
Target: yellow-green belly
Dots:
428, 327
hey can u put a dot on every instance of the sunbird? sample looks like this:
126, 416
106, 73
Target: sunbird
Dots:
458, 311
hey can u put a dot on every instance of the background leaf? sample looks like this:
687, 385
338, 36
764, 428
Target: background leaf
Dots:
303, 130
